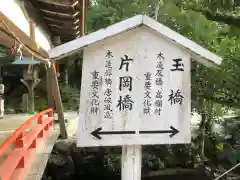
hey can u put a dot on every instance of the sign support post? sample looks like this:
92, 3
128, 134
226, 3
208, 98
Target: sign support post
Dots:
131, 162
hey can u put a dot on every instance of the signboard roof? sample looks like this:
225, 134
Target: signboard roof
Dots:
197, 52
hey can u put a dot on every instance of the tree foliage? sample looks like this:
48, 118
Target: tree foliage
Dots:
214, 25
226, 11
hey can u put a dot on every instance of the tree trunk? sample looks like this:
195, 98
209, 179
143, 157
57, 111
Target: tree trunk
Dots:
66, 75
202, 127
206, 123
158, 4
209, 122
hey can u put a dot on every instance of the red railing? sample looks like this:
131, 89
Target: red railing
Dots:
18, 151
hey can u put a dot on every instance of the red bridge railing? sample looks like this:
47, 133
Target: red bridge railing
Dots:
18, 151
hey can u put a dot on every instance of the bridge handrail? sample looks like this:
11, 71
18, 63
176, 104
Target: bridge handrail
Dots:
17, 138
4, 147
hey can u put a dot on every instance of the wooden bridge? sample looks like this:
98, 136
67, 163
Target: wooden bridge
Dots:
24, 154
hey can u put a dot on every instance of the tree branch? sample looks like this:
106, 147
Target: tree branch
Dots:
224, 101
219, 17
214, 16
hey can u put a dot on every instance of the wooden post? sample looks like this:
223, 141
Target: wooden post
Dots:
32, 27
1, 101
83, 17
56, 92
49, 88
58, 102
131, 162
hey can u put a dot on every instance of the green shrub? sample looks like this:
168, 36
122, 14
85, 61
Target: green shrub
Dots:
70, 97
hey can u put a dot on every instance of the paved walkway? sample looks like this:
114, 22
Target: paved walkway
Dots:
10, 123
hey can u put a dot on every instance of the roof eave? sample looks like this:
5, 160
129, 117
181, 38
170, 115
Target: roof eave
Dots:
77, 44
197, 52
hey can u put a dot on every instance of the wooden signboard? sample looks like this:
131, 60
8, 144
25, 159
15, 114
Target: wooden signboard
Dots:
135, 90
135, 87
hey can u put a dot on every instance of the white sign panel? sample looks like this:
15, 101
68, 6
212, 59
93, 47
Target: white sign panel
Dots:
135, 90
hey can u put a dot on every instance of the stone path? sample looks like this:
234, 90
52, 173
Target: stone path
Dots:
10, 123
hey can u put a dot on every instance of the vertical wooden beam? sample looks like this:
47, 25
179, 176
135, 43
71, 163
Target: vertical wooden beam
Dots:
85, 17
31, 84
56, 93
32, 30
49, 88
1, 76
82, 21
57, 67
57, 42
58, 102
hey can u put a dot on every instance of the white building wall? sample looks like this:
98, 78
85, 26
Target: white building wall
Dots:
42, 38
12, 9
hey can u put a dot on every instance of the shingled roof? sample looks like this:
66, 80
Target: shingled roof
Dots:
63, 18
